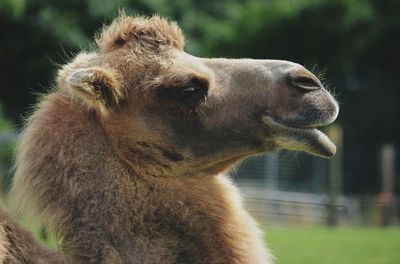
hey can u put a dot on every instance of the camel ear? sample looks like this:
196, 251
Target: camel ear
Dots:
96, 86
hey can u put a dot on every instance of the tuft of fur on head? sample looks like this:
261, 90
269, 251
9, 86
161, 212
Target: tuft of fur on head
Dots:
148, 32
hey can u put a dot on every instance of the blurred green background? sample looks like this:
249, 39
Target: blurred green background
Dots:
354, 44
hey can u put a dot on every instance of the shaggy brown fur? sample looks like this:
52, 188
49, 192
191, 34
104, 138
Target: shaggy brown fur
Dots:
122, 161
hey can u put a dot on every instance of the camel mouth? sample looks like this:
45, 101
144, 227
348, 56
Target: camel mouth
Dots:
308, 139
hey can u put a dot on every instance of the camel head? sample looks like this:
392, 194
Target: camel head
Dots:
186, 115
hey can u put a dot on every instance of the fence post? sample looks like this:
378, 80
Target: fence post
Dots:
385, 199
272, 171
335, 133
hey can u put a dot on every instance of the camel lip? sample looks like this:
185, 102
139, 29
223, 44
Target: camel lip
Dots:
308, 139
312, 123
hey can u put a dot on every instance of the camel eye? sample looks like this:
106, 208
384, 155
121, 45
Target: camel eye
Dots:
191, 95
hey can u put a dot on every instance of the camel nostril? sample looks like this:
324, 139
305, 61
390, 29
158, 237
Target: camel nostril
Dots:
306, 83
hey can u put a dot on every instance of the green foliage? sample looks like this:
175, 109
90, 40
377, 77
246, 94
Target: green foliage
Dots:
14, 7
5, 123
6, 150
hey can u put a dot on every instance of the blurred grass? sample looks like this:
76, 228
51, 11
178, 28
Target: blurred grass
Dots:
319, 245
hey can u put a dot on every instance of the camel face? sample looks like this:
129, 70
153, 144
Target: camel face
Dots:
195, 115
264, 104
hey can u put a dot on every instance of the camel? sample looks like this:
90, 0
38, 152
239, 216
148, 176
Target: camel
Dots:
124, 161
